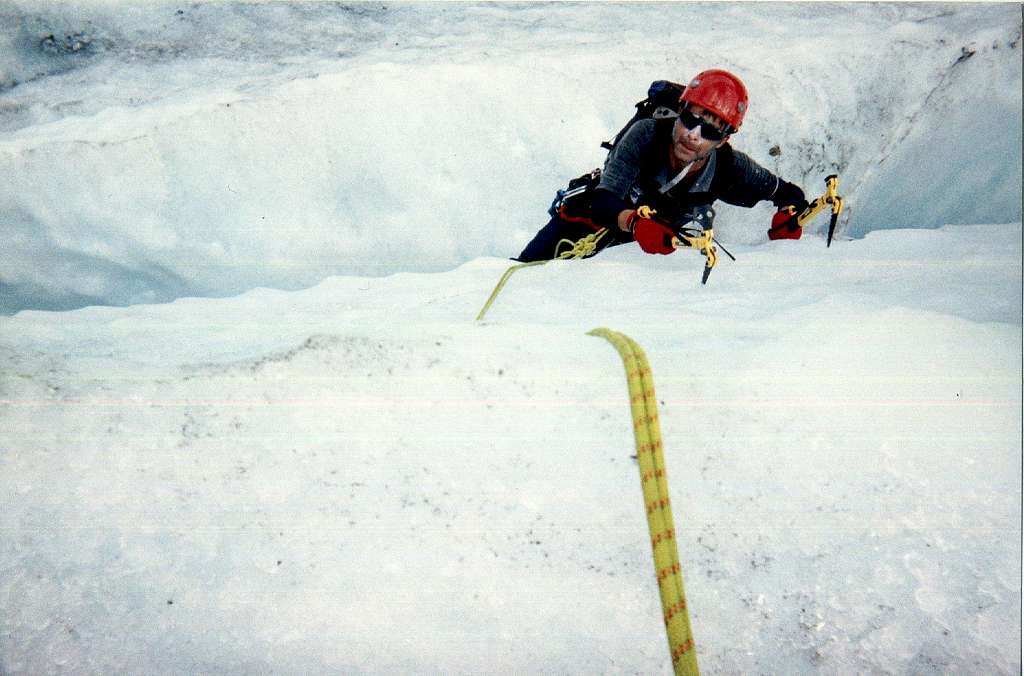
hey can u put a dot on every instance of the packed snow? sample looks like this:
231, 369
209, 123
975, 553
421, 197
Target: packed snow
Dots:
248, 423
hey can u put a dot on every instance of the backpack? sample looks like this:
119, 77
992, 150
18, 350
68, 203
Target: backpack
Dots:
573, 202
662, 101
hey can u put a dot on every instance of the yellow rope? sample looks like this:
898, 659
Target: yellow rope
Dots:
501, 284
586, 246
654, 482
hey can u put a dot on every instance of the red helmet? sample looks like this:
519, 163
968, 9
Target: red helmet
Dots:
721, 92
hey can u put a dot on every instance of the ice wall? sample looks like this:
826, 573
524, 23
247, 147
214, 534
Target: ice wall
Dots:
164, 150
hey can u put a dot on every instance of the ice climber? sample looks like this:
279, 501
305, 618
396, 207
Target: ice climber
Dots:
670, 163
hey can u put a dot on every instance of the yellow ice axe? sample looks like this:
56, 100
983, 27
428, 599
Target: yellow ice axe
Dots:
702, 240
830, 198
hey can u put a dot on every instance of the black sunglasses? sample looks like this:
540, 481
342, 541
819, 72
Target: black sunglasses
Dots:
708, 131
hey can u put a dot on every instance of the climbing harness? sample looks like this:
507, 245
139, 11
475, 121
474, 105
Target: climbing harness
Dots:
581, 185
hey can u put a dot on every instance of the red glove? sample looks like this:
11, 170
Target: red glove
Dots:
653, 237
785, 226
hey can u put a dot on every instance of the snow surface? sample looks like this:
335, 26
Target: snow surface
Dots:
206, 149
347, 474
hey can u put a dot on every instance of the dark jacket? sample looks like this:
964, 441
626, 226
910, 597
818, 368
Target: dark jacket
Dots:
637, 169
